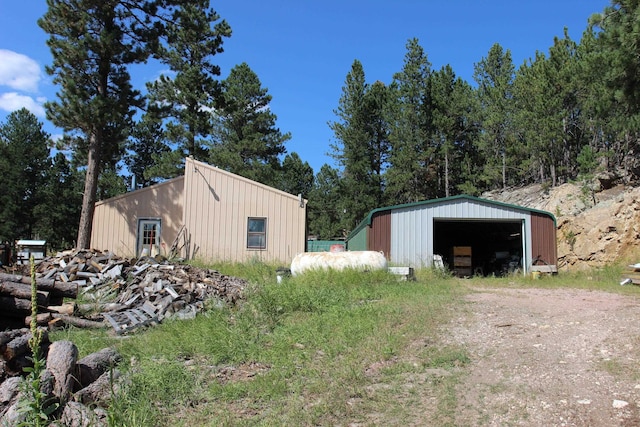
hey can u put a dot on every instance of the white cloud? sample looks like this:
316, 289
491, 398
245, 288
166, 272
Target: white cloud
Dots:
18, 71
12, 101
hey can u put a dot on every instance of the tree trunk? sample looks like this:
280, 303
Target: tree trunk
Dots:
90, 190
19, 290
91, 367
13, 306
55, 288
446, 173
504, 170
61, 362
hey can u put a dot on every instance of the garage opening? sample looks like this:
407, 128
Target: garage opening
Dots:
479, 247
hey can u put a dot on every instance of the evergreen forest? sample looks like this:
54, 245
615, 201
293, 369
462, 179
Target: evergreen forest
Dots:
570, 113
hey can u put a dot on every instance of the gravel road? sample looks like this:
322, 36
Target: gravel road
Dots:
549, 357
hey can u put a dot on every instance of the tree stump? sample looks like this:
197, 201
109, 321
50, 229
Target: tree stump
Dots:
61, 362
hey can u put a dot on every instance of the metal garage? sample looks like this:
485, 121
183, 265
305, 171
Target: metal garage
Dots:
470, 234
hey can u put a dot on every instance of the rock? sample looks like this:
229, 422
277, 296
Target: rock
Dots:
619, 404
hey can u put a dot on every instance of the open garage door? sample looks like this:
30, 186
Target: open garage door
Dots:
495, 247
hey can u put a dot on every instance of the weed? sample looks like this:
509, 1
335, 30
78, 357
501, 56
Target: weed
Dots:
34, 406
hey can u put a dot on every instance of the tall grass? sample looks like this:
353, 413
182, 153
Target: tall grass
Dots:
292, 353
324, 348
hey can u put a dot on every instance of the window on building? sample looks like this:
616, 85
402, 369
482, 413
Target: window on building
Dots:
257, 233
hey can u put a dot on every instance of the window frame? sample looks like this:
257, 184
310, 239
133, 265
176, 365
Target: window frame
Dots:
262, 234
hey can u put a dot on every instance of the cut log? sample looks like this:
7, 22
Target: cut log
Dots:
99, 391
79, 322
91, 367
6, 336
76, 414
15, 306
22, 291
67, 308
99, 308
20, 345
9, 389
42, 319
56, 288
60, 320
61, 362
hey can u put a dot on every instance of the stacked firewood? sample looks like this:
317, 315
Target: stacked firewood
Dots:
113, 292
116, 292
78, 390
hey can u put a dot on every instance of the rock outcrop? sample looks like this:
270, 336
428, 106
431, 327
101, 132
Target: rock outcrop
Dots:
596, 226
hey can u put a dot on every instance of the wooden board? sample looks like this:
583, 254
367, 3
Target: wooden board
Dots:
462, 251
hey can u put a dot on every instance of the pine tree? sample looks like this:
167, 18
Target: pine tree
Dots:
24, 161
361, 147
494, 76
411, 176
324, 212
246, 140
92, 43
187, 96
58, 212
146, 148
297, 176
453, 127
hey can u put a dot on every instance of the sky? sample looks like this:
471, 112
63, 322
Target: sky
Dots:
302, 50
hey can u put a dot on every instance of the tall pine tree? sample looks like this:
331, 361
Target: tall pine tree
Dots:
494, 76
361, 145
411, 176
24, 162
186, 96
93, 42
246, 140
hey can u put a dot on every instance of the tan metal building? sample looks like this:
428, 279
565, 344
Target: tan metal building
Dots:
208, 214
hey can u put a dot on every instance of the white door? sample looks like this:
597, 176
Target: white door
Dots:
148, 242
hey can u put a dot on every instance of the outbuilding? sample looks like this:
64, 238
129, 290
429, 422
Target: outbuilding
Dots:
207, 213
470, 235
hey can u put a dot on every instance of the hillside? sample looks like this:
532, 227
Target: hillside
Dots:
598, 224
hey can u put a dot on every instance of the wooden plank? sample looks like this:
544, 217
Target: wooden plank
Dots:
462, 261
462, 251
545, 268
171, 291
134, 319
115, 325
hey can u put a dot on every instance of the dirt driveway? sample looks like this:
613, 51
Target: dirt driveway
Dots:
549, 357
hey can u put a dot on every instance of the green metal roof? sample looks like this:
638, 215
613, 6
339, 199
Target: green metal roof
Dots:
369, 217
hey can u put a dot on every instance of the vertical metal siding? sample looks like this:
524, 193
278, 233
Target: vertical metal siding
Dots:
543, 236
412, 227
380, 233
218, 204
115, 220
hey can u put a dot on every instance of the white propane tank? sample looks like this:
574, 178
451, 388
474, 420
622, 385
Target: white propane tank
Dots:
359, 260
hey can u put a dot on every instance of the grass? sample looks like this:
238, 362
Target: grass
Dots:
325, 348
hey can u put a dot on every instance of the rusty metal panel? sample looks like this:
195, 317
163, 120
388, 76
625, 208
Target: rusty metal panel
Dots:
543, 239
380, 233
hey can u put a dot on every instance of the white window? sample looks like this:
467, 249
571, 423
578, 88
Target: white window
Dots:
257, 233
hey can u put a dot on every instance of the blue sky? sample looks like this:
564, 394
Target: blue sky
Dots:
302, 50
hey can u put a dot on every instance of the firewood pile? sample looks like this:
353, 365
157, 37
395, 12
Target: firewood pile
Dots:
115, 292
79, 389
92, 289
